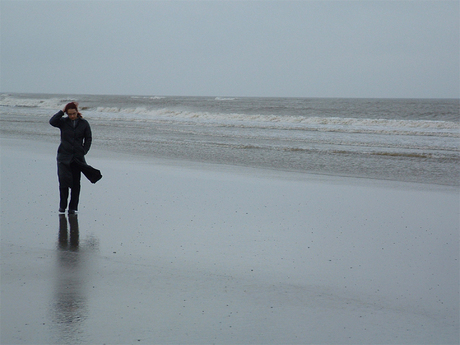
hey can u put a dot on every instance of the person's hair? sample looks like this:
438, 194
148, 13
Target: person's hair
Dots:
72, 105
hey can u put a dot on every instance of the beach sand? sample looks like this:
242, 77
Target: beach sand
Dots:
178, 252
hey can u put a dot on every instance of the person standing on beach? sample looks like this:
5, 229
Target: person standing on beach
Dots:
75, 143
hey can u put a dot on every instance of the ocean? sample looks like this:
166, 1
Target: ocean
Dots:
411, 140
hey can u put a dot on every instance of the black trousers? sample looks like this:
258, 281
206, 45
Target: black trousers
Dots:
69, 178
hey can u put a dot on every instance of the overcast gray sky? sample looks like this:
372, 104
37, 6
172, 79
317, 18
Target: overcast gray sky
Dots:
232, 48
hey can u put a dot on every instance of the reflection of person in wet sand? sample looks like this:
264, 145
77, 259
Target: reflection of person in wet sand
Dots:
64, 241
69, 307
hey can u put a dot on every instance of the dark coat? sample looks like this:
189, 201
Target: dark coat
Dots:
75, 144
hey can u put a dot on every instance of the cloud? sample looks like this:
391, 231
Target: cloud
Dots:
280, 48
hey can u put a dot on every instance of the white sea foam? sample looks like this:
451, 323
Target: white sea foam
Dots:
50, 103
148, 97
224, 99
382, 126
297, 122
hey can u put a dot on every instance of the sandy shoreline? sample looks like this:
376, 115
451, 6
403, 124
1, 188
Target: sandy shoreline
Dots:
172, 252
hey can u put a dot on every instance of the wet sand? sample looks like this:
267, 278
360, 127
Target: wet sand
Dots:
177, 252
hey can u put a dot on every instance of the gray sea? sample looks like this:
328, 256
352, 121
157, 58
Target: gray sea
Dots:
414, 140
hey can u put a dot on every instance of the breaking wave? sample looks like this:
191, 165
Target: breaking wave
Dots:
383, 126
241, 120
51, 103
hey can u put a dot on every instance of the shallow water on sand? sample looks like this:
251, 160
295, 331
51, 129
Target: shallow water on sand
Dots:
174, 253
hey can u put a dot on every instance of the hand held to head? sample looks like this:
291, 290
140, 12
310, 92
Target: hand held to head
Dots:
71, 105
